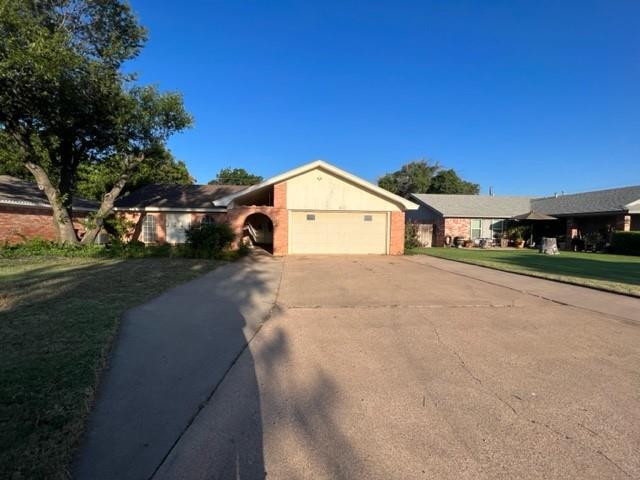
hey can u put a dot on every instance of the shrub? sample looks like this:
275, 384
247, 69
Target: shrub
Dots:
209, 240
38, 247
118, 226
411, 236
626, 243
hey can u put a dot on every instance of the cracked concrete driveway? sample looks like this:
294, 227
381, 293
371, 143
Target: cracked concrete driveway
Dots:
399, 367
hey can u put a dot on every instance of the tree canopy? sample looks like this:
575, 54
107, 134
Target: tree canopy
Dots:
425, 176
66, 104
235, 176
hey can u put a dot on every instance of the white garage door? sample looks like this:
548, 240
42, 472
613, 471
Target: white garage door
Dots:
337, 232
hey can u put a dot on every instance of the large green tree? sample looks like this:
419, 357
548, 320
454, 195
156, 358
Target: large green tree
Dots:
425, 176
448, 181
65, 101
235, 176
95, 179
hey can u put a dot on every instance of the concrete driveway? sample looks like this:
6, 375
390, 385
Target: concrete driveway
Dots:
411, 367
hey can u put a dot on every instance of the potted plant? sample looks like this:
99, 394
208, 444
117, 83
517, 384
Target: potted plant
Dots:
518, 241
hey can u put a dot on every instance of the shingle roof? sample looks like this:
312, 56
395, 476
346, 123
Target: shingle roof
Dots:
484, 206
176, 196
600, 201
17, 192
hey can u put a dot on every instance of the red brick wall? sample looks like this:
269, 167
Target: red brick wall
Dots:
135, 233
280, 195
457, 227
20, 223
279, 217
396, 233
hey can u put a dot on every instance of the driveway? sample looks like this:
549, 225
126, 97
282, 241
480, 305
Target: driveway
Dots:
371, 367
400, 367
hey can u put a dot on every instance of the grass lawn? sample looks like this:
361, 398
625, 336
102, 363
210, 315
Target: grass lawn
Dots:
57, 319
616, 273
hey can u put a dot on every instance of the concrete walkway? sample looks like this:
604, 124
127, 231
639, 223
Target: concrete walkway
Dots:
170, 355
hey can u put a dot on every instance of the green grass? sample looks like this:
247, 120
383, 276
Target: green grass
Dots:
616, 273
58, 317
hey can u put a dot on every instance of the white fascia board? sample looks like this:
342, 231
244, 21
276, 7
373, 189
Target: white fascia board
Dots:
407, 204
25, 203
163, 209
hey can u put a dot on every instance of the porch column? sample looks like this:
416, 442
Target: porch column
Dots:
572, 230
623, 223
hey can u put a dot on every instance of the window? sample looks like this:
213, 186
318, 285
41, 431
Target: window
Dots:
476, 228
368, 218
497, 226
149, 234
311, 216
207, 220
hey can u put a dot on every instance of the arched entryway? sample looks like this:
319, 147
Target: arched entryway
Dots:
258, 231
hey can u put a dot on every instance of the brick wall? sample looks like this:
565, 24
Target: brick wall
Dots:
396, 233
20, 223
457, 227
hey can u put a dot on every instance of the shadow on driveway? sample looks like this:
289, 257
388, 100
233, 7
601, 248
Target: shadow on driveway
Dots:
169, 358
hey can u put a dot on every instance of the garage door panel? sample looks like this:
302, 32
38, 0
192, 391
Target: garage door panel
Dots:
338, 232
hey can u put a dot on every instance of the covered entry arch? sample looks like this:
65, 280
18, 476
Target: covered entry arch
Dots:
257, 230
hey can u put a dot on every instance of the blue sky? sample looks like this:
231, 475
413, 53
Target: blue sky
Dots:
530, 97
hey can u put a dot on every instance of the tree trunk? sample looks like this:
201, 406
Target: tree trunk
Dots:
106, 206
61, 218
549, 246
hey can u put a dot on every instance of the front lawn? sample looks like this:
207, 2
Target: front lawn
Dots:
57, 319
616, 273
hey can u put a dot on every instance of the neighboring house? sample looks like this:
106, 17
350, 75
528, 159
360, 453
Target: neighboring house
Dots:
314, 209
481, 216
26, 213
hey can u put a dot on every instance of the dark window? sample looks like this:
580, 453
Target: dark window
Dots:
311, 216
368, 218
207, 220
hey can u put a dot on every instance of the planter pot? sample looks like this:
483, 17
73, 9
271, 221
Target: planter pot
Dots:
519, 243
468, 243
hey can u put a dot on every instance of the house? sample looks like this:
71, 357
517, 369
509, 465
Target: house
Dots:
467, 216
313, 209
25, 211
481, 216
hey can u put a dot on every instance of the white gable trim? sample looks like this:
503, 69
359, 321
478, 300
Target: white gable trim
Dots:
407, 204
633, 207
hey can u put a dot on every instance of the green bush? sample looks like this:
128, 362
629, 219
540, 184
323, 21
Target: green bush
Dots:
38, 247
626, 243
209, 240
411, 236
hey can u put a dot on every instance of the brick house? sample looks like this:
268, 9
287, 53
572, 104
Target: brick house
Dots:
26, 213
313, 209
482, 216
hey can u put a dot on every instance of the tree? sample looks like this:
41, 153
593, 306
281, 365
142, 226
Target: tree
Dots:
411, 178
65, 103
95, 179
425, 176
235, 176
448, 181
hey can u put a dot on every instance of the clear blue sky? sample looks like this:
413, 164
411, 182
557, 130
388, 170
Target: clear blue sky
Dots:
531, 97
